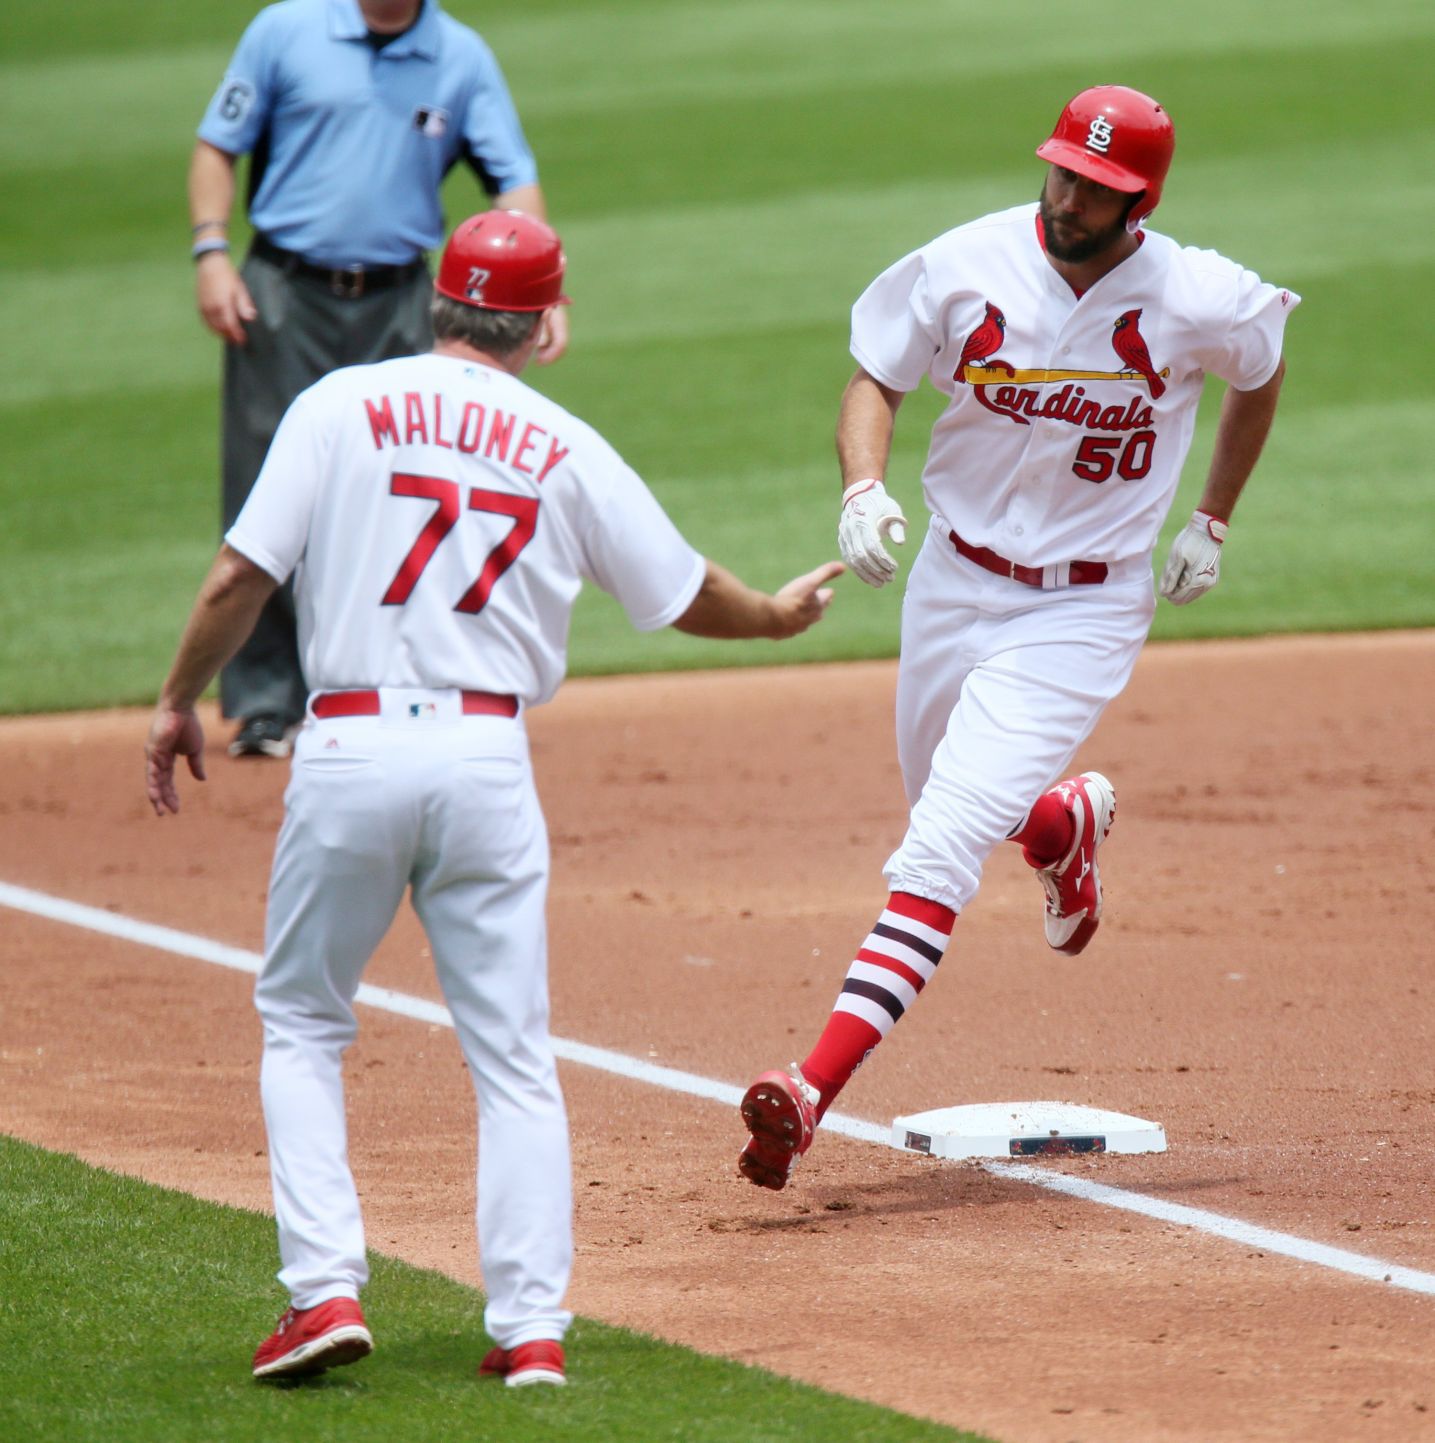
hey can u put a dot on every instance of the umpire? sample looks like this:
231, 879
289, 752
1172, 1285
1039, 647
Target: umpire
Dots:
352, 112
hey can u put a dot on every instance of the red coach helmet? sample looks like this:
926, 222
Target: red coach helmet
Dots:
1117, 137
503, 260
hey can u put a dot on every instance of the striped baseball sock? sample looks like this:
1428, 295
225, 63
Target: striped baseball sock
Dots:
893, 965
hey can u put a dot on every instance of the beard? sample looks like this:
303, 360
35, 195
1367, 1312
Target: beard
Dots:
1080, 244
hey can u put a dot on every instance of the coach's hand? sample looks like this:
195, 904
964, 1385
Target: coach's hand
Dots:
869, 518
802, 601
172, 734
1194, 565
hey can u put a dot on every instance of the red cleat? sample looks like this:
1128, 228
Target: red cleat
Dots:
780, 1110
1073, 884
313, 1339
540, 1361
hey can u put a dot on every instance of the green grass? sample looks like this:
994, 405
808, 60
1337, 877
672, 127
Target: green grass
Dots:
727, 181
128, 1313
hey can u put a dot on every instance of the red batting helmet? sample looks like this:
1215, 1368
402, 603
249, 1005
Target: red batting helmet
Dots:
503, 260
1117, 137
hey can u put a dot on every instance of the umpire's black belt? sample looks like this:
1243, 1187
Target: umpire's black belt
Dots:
350, 282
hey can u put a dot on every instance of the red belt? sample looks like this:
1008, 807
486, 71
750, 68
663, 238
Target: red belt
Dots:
366, 703
1080, 573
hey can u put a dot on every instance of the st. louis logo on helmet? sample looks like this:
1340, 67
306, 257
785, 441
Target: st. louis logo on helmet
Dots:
1099, 136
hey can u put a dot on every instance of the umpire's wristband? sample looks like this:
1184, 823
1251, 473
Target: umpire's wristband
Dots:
206, 246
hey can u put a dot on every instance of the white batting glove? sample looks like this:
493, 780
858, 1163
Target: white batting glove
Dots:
870, 517
1194, 565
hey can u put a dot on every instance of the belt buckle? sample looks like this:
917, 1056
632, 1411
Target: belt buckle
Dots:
347, 285
1011, 570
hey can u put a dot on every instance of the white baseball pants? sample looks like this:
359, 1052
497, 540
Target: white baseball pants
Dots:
998, 685
422, 797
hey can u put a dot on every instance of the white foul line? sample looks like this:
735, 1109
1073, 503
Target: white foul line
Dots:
184, 944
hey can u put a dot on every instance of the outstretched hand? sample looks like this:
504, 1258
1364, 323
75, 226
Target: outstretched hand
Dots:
802, 601
171, 734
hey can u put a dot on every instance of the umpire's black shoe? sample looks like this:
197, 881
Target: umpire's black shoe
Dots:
261, 736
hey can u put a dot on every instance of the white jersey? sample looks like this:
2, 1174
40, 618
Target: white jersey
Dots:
1069, 417
439, 517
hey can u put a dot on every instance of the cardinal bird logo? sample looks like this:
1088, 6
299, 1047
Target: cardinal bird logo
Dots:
1127, 343
983, 342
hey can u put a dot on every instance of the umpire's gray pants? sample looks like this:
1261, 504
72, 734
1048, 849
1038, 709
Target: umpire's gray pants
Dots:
303, 332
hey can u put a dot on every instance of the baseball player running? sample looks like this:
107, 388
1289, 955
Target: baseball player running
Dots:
439, 518
1072, 346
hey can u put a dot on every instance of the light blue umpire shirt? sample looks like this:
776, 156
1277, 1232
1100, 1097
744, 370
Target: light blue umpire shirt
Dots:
351, 143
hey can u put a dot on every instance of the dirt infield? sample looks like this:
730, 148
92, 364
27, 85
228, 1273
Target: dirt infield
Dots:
1262, 986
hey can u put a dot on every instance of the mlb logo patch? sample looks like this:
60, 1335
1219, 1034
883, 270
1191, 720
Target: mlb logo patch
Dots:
422, 710
431, 121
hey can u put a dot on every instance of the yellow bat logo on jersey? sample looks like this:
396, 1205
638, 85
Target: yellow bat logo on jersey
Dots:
1001, 374
976, 370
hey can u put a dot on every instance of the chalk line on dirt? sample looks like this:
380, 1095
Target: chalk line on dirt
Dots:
1266, 1240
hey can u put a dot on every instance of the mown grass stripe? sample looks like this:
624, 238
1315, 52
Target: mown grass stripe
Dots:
703, 277
665, 56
